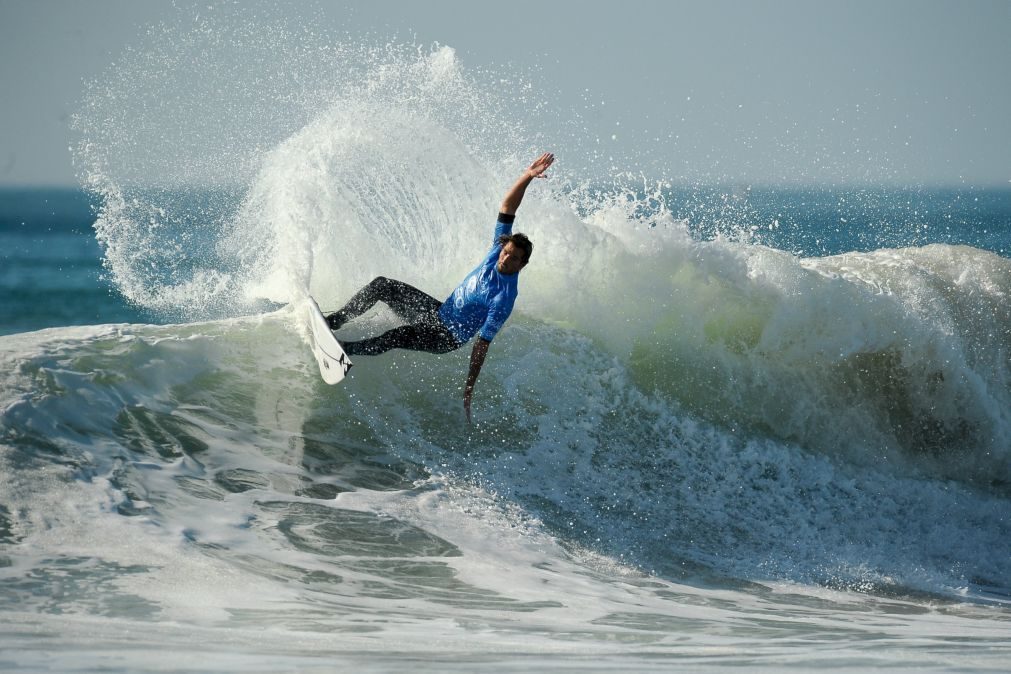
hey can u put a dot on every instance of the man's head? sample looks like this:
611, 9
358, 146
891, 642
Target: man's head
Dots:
515, 253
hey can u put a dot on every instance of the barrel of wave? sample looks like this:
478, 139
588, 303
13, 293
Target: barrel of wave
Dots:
896, 357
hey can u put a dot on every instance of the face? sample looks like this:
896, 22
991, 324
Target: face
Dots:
511, 259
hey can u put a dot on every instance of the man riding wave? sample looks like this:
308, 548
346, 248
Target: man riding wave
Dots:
479, 306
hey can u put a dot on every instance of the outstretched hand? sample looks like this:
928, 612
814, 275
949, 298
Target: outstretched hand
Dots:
514, 196
540, 165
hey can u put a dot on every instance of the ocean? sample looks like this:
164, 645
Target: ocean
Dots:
728, 427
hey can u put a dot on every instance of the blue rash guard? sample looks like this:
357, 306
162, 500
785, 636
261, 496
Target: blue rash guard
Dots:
483, 300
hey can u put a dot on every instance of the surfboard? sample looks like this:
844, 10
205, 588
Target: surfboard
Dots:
333, 362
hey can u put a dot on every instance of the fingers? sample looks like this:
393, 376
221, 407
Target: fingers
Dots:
541, 164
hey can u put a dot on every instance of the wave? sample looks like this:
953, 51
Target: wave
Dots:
889, 356
228, 417
682, 403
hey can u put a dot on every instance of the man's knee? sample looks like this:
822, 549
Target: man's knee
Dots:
382, 285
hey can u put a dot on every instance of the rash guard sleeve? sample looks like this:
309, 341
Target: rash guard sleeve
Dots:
497, 314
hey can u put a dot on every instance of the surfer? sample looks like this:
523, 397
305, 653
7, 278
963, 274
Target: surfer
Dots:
479, 305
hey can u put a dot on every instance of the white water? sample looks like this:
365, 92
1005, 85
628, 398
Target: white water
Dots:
182, 500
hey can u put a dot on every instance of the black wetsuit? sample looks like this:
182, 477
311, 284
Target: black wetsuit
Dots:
424, 331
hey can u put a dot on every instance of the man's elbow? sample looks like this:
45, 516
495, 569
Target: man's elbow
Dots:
481, 346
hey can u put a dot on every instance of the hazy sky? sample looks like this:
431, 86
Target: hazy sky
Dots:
909, 92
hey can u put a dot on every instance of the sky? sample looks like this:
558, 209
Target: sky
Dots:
898, 92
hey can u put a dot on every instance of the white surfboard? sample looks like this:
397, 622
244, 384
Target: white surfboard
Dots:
333, 362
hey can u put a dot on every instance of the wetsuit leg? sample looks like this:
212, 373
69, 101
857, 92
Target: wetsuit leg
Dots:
408, 303
431, 336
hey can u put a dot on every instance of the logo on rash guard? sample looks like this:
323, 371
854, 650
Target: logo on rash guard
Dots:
464, 291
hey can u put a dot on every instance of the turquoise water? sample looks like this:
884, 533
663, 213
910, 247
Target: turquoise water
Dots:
52, 264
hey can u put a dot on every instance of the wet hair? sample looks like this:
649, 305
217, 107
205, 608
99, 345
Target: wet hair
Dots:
520, 241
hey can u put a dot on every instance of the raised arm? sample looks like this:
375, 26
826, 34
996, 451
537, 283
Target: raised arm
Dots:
510, 203
512, 199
